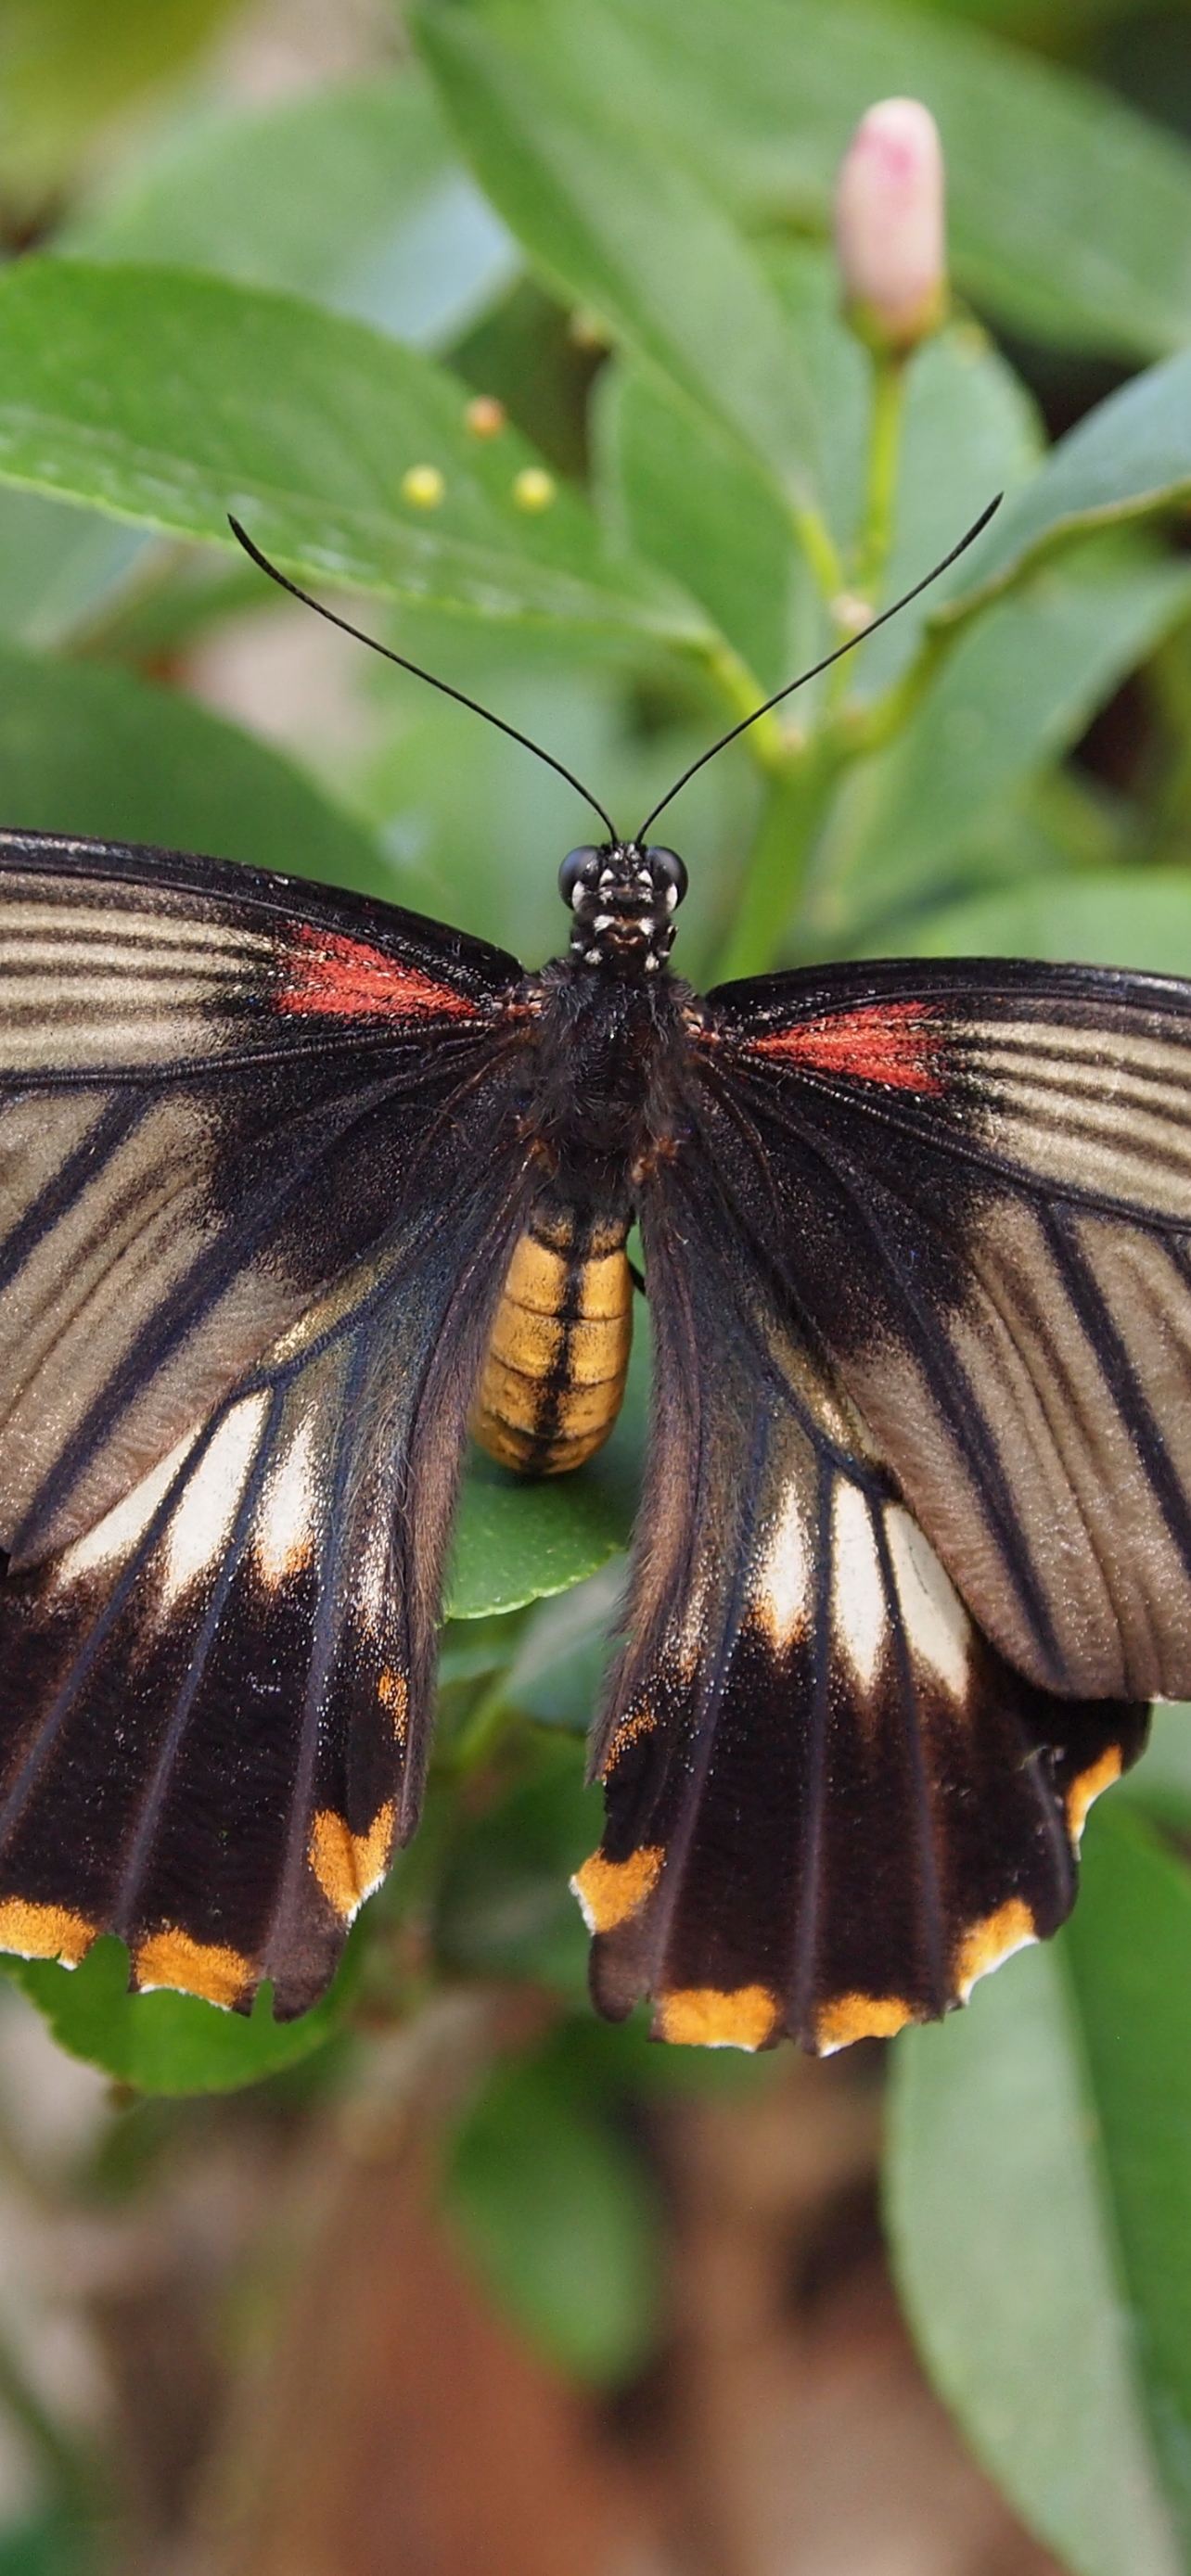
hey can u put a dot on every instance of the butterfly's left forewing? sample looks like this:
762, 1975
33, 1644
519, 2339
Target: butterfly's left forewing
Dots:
258, 1180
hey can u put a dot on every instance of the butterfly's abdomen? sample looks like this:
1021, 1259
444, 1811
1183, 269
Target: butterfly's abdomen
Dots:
558, 1357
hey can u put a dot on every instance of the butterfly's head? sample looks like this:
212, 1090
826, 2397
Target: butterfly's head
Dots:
623, 897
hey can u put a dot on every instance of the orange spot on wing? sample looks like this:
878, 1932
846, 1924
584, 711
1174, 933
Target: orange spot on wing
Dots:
170, 1958
892, 1042
612, 1891
847, 2018
711, 2017
393, 1694
345, 979
986, 1944
1086, 1788
44, 1931
348, 1866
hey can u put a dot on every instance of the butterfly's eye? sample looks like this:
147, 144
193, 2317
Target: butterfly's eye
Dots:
667, 865
580, 867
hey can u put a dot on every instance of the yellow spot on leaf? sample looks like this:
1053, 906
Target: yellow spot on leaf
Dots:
612, 1891
207, 1968
706, 2017
851, 2017
1086, 1788
44, 1931
348, 1866
424, 486
986, 1944
533, 488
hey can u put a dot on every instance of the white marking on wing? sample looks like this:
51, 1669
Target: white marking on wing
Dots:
201, 1526
937, 1624
784, 1574
117, 1534
284, 1539
859, 1609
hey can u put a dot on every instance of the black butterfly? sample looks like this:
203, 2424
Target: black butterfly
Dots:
294, 1183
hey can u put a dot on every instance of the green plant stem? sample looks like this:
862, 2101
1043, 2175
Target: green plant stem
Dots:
487, 1722
884, 461
776, 869
818, 545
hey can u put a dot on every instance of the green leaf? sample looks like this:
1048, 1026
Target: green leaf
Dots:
1021, 684
1040, 2206
87, 750
166, 2043
633, 235
690, 497
1161, 1781
173, 399
1109, 917
1070, 216
518, 1541
59, 567
1126, 459
352, 195
559, 2213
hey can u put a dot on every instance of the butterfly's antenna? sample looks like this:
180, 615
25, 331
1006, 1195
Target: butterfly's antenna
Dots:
825, 665
284, 583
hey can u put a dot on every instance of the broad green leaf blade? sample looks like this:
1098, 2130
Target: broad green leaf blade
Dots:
60, 567
1040, 2201
171, 399
633, 235
83, 749
1070, 216
1139, 917
1127, 1947
517, 1542
559, 2213
690, 498
353, 196
1003, 2231
1126, 459
164, 2043
1020, 684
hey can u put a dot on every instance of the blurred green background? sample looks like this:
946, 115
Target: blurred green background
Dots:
448, 2274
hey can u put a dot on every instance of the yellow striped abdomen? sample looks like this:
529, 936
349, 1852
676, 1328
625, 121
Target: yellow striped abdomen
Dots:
559, 1353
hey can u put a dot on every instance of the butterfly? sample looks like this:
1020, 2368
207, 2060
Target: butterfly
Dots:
294, 1186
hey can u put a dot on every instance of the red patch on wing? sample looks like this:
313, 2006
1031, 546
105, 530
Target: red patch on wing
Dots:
893, 1042
343, 979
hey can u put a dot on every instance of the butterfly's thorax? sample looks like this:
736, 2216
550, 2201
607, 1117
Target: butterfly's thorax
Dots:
554, 1375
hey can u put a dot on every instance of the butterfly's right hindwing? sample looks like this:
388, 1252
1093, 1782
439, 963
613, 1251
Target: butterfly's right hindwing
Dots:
830, 1803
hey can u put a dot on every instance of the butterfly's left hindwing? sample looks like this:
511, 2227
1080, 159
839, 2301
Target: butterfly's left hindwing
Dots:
259, 1176
831, 1805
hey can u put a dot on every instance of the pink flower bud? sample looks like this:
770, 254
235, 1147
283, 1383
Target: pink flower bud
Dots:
889, 233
